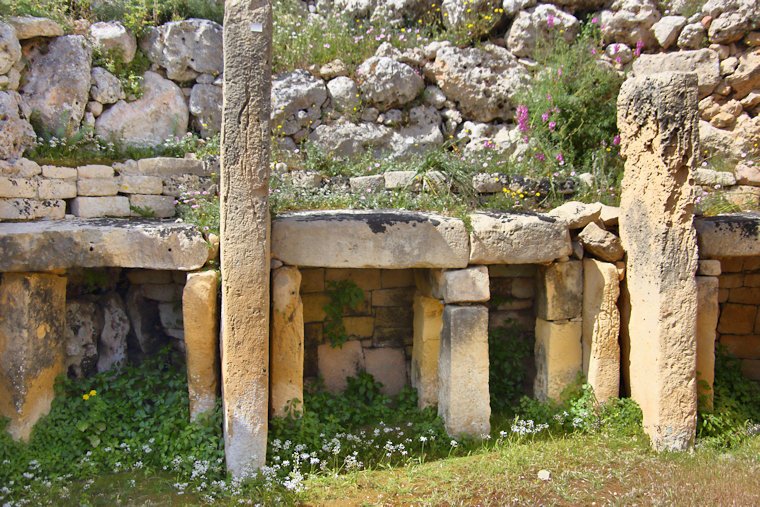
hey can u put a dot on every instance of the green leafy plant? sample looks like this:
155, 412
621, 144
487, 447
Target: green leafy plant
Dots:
343, 295
508, 349
142, 211
129, 74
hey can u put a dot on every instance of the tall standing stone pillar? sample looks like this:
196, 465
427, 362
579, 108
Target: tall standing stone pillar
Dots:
428, 321
286, 340
708, 311
32, 322
657, 118
245, 232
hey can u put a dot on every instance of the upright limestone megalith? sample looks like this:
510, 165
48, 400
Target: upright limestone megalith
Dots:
286, 341
428, 321
199, 315
245, 232
32, 351
657, 118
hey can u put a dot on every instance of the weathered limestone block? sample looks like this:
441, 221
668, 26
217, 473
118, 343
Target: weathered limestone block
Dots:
517, 239
158, 206
57, 189
577, 214
658, 122
245, 232
84, 323
137, 184
47, 246
167, 166
338, 363
600, 243
704, 62
428, 321
287, 341
463, 395
735, 235
601, 328
470, 285
30, 209
560, 291
112, 347
31, 346
28, 27
559, 357
370, 239
18, 188
708, 312
97, 207
97, 187
199, 314
388, 366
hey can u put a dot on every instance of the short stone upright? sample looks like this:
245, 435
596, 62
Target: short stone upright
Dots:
32, 351
428, 321
287, 351
657, 118
463, 395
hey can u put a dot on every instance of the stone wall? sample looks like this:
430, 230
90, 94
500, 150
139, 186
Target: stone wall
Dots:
380, 330
148, 187
739, 322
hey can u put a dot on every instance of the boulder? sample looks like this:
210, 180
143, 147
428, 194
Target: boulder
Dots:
517, 239
16, 133
105, 87
482, 81
57, 85
297, 98
577, 214
692, 36
702, 61
161, 113
747, 175
28, 27
600, 243
630, 21
345, 139
206, 108
51, 245
112, 346
84, 323
667, 30
10, 49
728, 27
536, 28
746, 78
344, 94
112, 38
362, 239
186, 48
715, 140
387, 83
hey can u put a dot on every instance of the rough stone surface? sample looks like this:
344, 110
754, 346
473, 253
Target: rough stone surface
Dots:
600, 243
156, 206
377, 239
708, 311
287, 341
517, 239
16, 133
57, 84
427, 324
30, 209
601, 328
345, 139
630, 21
98, 207
293, 92
32, 351
10, 49
51, 245
470, 285
463, 395
344, 94
482, 81
28, 27
112, 346
667, 30
736, 235
84, 323
657, 118
186, 48
560, 291
206, 108
746, 77
337, 364
113, 38
558, 354
386, 83
105, 87
702, 61
245, 232
199, 315
388, 366
159, 114
536, 27
577, 215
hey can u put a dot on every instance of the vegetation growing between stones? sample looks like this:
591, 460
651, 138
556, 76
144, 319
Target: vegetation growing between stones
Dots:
129, 74
508, 349
344, 296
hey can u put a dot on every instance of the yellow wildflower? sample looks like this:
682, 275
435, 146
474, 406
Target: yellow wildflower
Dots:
93, 392
85, 397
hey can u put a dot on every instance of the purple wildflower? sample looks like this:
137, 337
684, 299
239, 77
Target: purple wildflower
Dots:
616, 140
552, 125
522, 118
545, 117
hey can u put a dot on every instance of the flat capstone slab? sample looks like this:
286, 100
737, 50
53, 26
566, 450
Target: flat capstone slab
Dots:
89, 243
387, 239
734, 235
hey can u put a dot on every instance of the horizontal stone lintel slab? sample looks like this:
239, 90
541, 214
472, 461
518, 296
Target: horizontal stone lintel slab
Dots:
734, 235
103, 242
394, 239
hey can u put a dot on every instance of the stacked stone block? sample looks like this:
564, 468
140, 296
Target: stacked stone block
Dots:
148, 188
739, 323
380, 330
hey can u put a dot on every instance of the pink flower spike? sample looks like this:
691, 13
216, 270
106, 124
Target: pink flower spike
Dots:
616, 140
552, 125
550, 21
594, 20
545, 117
